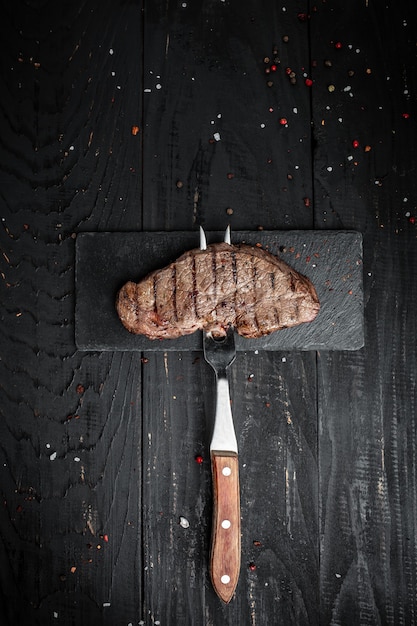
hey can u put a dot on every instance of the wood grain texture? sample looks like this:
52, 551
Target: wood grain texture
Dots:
225, 542
212, 138
70, 433
367, 399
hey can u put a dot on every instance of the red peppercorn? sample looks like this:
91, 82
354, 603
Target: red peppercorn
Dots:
338, 45
283, 121
199, 459
355, 143
412, 219
406, 116
273, 68
252, 567
308, 82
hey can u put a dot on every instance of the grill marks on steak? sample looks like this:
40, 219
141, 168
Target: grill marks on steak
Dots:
242, 286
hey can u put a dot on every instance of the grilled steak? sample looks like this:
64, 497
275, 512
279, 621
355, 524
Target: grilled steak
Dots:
238, 285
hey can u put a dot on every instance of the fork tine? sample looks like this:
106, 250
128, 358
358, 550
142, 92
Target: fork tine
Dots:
227, 237
203, 240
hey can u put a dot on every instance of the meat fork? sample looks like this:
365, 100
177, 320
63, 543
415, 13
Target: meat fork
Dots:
225, 543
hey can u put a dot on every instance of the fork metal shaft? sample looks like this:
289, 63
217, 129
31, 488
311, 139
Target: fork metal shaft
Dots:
224, 436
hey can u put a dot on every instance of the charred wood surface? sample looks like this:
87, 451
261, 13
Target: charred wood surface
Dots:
161, 116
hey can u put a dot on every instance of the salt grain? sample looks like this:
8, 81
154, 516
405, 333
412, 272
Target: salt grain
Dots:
217, 136
53, 456
184, 523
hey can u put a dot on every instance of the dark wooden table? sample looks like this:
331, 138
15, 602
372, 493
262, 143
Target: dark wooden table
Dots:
161, 116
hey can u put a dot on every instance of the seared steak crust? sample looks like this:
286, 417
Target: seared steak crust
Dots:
242, 286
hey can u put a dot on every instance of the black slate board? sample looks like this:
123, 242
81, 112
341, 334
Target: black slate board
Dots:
331, 259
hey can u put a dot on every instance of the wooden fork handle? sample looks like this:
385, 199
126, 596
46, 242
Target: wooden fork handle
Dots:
225, 547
